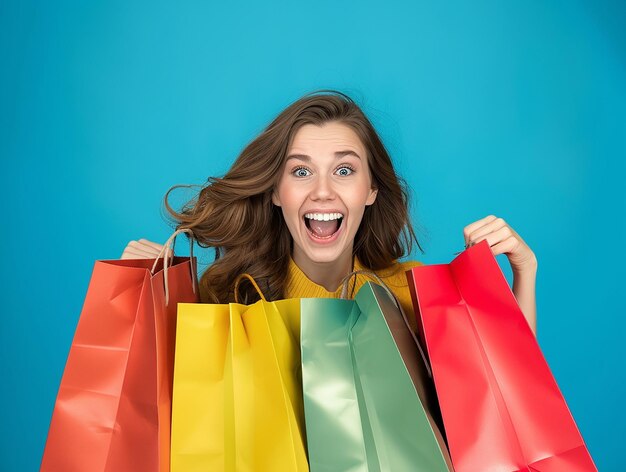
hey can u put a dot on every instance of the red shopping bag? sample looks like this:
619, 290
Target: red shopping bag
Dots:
501, 407
113, 408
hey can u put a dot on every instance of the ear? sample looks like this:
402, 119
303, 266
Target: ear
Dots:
371, 198
275, 199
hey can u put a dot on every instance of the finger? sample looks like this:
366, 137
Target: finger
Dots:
494, 237
148, 249
140, 251
506, 246
478, 234
476, 224
144, 246
143, 249
128, 254
156, 246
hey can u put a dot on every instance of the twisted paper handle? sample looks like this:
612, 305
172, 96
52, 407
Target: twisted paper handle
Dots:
251, 279
168, 259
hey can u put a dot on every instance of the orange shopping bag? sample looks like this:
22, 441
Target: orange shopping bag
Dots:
113, 408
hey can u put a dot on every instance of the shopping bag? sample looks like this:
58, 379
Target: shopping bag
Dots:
112, 411
501, 406
237, 403
366, 388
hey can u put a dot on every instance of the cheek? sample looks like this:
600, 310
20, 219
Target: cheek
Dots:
289, 200
361, 198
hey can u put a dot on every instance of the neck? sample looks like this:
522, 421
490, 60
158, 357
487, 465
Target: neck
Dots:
326, 274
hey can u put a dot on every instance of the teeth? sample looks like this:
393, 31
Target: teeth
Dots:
323, 216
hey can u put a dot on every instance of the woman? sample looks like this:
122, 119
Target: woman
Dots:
312, 198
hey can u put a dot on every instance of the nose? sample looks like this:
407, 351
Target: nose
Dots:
322, 189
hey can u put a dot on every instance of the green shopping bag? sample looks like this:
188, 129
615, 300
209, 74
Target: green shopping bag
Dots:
366, 387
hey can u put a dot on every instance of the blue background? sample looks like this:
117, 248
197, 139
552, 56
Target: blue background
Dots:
515, 109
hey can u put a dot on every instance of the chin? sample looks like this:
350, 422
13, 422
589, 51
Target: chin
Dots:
323, 259
325, 255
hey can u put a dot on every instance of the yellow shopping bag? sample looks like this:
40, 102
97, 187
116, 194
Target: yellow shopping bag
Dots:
237, 400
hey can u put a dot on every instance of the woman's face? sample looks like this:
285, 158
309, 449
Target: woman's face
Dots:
323, 191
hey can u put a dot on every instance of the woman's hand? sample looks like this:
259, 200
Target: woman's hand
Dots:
142, 249
503, 240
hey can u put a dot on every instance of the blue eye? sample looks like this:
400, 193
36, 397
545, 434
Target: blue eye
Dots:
345, 171
301, 172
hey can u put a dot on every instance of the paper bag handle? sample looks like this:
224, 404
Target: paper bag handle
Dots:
344, 281
251, 279
168, 259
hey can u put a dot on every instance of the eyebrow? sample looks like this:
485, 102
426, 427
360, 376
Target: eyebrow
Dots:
338, 154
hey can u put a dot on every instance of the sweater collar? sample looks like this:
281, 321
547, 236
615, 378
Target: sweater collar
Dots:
299, 283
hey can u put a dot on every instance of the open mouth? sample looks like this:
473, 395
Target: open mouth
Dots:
323, 225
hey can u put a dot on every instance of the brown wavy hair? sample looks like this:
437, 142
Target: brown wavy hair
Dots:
235, 215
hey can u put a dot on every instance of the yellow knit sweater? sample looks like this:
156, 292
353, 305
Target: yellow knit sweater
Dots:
300, 286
